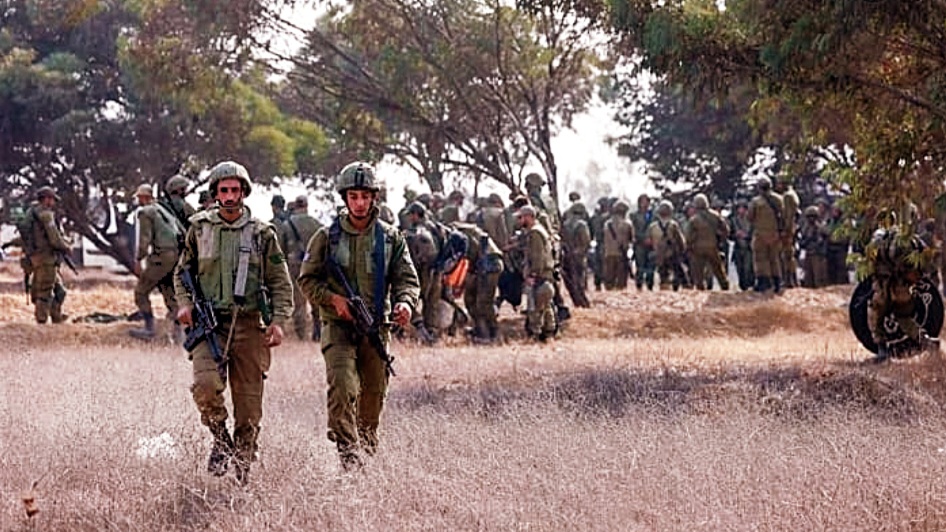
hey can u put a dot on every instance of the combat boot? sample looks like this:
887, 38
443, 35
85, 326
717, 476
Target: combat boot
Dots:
41, 310
147, 333
221, 451
777, 285
761, 284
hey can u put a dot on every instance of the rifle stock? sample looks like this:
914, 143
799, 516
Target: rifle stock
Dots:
203, 323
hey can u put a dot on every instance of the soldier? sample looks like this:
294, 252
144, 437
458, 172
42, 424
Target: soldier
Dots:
205, 200
767, 216
618, 238
44, 247
601, 215
534, 184
538, 271
450, 213
669, 246
160, 238
372, 257
479, 291
704, 233
425, 240
493, 220
280, 214
740, 232
895, 267
176, 188
236, 261
814, 242
437, 202
839, 241
576, 237
644, 255
791, 205
294, 237
385, 213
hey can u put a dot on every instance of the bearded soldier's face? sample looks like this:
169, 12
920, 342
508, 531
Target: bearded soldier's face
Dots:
230, 195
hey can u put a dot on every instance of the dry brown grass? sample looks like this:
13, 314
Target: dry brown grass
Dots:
703, 419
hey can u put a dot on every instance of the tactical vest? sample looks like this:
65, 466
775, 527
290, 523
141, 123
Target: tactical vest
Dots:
221, 248
168, 230
365, 260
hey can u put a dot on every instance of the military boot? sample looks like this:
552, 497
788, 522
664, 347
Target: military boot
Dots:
147, 333
41, 310
761, 284
777, 285
221, 451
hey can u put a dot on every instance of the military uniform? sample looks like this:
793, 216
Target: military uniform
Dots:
766, 214
538, 271
669, 245
357, 380
577, 239
294, 237
704, 233
160, 236
45, 246
601, 215
838, 245
176, 188
791, 204
215, 250
644, 256
479, 291
618, 238
814, 242
740, 231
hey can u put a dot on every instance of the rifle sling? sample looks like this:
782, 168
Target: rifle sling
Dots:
334, 237
246, 248
779, 221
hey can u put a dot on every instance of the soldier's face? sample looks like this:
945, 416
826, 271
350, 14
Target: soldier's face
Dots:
144, 200
359, 202
230, 194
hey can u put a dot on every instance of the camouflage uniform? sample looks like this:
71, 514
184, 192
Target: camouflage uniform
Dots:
766, 214
357, 380
479, 291
669, 246
538, 271
294, 237
45, 246
814, 240
618, 238
160, 235
424, 241
704, 233
212, 251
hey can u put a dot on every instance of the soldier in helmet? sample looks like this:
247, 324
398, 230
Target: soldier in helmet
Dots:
425, 240
205, 200
704, 233
618, 239
644, 256
175, 189
669, 247
740, 231
814, 242
450, 213
160, 238
492, 219
601, 215
534, 184
538, 275
236, 261
767, 216
294, 235
44, 247
791, 203
576, 237
372, 257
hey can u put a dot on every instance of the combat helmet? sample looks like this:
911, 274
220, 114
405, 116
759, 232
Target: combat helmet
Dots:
700, 202
665, 207
47, 192
535, 180
356, 175
764, 183
574, 196
812, 210
229, 170
620, 207
177, 185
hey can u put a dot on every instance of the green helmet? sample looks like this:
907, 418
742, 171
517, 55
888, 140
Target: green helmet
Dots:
812, 210
177, 185
535, 180
701, 202
764, 183
665, 208
47, 192
229, 170
620, 207
357, 175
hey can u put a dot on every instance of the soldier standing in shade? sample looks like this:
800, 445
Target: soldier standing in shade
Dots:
236, 261
44, 246
450, 213
479, 290
839, 242
160, 238
740, 232
294, 235
176, 189
577, 239
814, 242
280, 214
374, 260
791, 203
425, 240
618, 238
601, 215
669, 246
644, 255
704, 233
766, 214
537, 272
492, 219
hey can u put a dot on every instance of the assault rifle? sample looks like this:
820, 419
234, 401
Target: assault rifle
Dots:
365, 322
67, 259
203, 323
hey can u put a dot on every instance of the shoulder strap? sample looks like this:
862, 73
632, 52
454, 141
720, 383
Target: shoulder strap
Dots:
379, 271
246, 248
295, 230
779, 221
174, 222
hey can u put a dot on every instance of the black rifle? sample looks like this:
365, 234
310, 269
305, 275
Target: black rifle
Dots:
365, 323
67, 259
203, 323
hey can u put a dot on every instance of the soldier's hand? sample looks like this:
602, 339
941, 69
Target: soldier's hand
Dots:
184, 316
274, 335
340, 304
402, 314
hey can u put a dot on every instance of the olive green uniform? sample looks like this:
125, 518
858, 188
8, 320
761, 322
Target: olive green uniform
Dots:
789, 263
814, 242
577, 238
704, 233
479, 290
212, 250
618, 238
294, 235
893, 277
766, 216
539, 274
644, 255
740, 231
669, 246
424, 242
46, 248
357, 381
160, 235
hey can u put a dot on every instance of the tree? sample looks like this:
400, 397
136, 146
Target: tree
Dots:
98, 97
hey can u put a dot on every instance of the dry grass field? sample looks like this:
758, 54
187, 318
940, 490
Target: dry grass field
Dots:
655, 411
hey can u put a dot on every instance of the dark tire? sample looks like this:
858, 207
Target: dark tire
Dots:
928, 314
